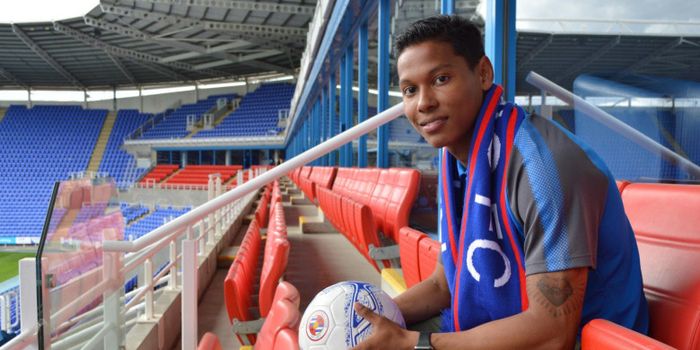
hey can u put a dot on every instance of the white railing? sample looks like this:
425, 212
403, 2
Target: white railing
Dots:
198, 230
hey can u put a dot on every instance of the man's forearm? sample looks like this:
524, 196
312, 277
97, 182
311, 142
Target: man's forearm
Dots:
424, 300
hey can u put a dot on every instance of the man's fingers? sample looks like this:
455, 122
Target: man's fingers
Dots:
365, 313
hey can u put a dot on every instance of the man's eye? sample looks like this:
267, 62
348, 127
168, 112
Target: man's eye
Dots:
410, 90
442, 79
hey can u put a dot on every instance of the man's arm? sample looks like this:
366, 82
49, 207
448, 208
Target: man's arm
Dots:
550, 322
426, 299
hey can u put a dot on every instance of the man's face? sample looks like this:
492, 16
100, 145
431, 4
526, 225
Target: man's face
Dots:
441, 94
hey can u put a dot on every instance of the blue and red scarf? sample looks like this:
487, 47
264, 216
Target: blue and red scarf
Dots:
482, 255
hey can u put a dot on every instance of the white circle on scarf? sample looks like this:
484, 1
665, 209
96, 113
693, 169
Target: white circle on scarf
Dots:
494, 152
487, 244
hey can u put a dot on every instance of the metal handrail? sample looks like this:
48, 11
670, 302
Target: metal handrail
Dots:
611, 122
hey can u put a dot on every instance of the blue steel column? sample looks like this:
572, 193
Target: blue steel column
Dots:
447, 7
383, 81
347, 93
499, 43
331, 115
343, 109
362, 93
324, 124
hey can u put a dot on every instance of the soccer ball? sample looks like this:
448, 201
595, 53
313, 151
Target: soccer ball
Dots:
330, 321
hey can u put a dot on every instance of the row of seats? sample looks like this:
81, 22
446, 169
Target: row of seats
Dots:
666, 225
257, 114
419, 255
368, 206
241, 277
159, 172
280, 328
199, 174
175, 124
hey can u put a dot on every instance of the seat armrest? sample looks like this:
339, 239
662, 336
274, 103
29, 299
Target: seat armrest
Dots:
602, 334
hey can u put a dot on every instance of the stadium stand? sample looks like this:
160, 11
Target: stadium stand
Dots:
132, 212
116, 162
158, 217
39, 146
257, 114
175, 125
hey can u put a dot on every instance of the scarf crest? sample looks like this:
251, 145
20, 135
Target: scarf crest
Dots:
482, 253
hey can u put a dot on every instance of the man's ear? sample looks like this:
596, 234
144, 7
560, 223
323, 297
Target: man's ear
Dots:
485, 70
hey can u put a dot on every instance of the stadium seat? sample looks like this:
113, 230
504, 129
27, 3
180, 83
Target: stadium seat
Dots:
209, 341
667, 228
409, 240
429, 254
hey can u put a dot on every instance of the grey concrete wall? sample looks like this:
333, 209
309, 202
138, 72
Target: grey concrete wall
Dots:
151, 197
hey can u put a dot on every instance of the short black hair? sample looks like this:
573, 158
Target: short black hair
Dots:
462, 34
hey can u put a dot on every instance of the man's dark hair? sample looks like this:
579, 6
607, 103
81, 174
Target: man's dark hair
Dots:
462, 34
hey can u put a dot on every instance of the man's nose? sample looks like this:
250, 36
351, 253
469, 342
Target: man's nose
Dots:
427, 101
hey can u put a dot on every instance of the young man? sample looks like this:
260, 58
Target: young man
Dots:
535, 241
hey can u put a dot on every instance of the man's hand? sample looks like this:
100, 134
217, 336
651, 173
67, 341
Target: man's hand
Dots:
384, 332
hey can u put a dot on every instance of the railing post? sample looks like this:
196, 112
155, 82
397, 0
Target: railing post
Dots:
239, 177
189, 294
172, 284
28, 307
148, 298
111, 299
219, 218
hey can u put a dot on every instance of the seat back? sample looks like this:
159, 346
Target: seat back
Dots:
429, 253
408, 250
666, 223
209, 341
392, 199
283, 315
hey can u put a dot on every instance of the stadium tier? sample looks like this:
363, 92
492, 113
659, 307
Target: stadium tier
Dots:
150, 222
199, 174
257, 115
115, 161
40, 146
175, 124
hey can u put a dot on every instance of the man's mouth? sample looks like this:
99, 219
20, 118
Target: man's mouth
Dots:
432, 124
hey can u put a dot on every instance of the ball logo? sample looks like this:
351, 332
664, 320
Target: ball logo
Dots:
317, 326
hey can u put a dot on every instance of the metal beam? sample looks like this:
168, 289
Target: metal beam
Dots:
46, 57
209, 50
122, 68
256, 29
242, 5
225, 58
430, 6
536, 51
585, 61
240, 59
161, 70
640, 63
9, 76
122, 52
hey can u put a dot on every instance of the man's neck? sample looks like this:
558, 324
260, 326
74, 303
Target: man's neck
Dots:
461, 150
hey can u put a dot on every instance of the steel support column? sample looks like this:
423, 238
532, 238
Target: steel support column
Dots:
341, 108
383, 39
362, 56
347, 94
499, 43
447, 7
331, 116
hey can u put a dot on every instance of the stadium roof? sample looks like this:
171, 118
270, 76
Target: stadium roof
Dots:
143, 42
139, 42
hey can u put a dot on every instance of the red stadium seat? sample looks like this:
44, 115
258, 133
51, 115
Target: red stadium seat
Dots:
667, 228
209, 341
392, 199
409, 240
429, 253
282, 320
